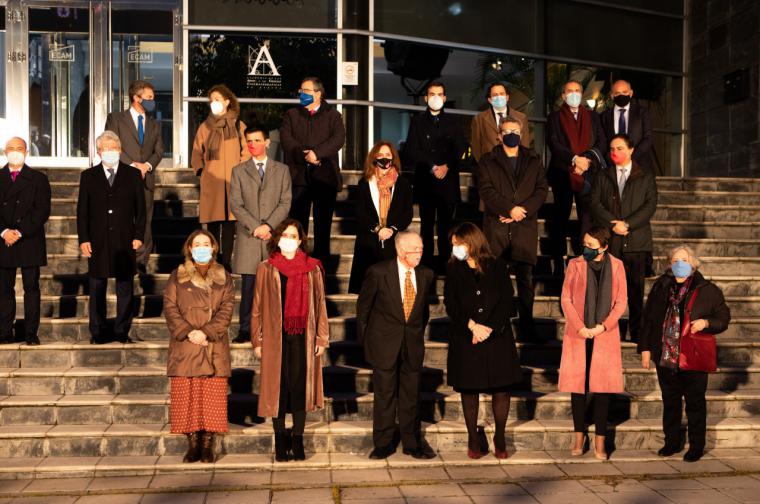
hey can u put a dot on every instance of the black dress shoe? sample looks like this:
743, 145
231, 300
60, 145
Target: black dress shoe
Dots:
667, 451
422, 452
382, 452
124, 338
96, 339
242, 338
692, 455
5, 340
32, 339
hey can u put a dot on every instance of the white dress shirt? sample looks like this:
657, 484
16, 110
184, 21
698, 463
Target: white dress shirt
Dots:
115, 169
616, 117
135, 115
256, 163
402, 278
498, 118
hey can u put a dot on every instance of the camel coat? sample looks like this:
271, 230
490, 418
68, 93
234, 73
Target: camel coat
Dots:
266, 332
606, 373
194, 302
484, 135
216, 174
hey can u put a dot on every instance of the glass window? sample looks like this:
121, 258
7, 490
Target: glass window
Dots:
147, 55
507, 23
2, 67
261, 66
669, 7
59, 69
291, 13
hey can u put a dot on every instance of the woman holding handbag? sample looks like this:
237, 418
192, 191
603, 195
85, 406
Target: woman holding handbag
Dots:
198, 302
683, 309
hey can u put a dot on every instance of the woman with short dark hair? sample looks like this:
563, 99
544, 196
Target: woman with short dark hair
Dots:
289, 333
593, 300
482, 353
198, 302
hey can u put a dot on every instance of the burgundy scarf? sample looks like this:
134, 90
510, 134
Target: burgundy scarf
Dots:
671, 326
297, 289
579, 134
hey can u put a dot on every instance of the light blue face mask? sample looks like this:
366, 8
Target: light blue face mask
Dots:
681, 269
201, 255
499, 102
573, 99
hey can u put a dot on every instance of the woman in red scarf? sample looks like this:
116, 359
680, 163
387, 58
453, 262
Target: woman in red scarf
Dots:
383, 208
289, 333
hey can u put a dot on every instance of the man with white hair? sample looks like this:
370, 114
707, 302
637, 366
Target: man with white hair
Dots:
111, 227
24, 210
391, 316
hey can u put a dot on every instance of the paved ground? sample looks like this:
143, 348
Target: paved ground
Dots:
724, 476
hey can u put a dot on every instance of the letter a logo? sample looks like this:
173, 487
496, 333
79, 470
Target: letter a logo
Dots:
263, 60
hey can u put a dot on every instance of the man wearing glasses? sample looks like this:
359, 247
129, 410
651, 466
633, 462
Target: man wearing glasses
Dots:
312, 135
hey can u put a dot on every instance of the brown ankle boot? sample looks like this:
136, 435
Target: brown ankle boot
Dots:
207, 448
193, 448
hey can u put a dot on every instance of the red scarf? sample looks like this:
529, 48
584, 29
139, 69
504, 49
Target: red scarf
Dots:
297, 289
579, 134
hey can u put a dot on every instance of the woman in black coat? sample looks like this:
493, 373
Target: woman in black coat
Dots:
660, 343
383, 208
482, 354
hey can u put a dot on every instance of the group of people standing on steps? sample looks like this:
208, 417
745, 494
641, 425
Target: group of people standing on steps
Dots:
256, 216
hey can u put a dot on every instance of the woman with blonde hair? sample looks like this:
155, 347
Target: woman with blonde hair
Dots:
199, 299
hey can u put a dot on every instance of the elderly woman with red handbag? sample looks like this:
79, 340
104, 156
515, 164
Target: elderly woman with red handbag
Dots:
682, 314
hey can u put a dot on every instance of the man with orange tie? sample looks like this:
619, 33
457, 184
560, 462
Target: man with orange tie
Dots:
392, 313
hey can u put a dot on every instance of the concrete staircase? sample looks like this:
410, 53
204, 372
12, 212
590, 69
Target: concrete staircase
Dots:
67, 398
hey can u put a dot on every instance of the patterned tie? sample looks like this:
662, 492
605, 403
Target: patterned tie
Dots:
140, 129
408, 295
14, 174
621, 122
111, 176
260, 166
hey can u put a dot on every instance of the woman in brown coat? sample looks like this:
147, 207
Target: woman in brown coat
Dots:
289, 333
219, 146
198, 303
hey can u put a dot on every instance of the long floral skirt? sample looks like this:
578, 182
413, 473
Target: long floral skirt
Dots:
198, 404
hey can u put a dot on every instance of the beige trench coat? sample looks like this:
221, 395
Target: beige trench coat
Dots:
215, 178
266, 332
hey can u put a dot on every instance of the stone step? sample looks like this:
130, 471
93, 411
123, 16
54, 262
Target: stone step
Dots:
344, 244
122, 409
164, 175
337, 379
129, 440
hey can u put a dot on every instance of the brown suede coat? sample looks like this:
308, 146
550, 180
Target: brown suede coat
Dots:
194, 302
266, 332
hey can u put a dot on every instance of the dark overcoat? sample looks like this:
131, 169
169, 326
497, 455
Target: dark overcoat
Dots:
24, 205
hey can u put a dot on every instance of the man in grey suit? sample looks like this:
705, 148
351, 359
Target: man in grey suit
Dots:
259, 199
141, 147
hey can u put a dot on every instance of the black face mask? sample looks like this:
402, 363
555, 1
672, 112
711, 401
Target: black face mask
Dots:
622, 100
383, 163
511, 139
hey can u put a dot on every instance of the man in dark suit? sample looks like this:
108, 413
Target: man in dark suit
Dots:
631, 118
512, 186
572, 132
433, 148
392, 313
311, 136
111, 225
24, 210
141, 147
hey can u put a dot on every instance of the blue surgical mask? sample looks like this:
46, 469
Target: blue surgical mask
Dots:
201, 255
149, 105
573, 99
460, 252
110, 158
590, 254
499, 102
306, 99
681, 269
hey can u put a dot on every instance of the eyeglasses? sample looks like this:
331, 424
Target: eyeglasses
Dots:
307, 91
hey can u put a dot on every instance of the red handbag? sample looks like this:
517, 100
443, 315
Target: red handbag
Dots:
698, 350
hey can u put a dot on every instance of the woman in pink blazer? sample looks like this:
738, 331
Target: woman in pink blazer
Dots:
593, 300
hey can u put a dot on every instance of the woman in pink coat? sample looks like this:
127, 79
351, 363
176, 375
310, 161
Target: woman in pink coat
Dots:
593, 300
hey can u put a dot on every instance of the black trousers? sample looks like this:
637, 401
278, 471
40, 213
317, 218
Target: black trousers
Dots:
322, 196
580, 402
98, 305
143, 253
525, 292
635, 267
224, 232
30, 277
430, 208
677, 386
560, 217
246, 303
396, 391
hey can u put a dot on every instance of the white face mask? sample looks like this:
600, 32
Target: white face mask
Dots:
288, 245
435, 103
16, 158
110, 158
573, 99
460, 252
217, 108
